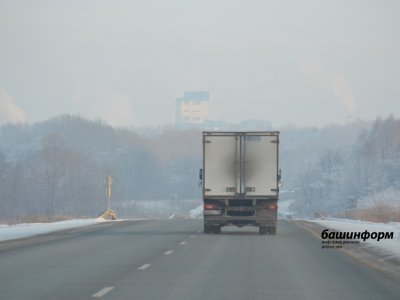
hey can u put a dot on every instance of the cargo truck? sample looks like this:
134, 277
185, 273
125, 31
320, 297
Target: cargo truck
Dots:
240, 180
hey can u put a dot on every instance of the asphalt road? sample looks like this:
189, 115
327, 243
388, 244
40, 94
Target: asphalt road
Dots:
167, 259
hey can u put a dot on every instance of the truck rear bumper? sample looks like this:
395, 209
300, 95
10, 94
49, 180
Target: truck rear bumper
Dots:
239, 220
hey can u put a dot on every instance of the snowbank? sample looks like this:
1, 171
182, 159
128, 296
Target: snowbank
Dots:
196, 213
11, 232
284, 211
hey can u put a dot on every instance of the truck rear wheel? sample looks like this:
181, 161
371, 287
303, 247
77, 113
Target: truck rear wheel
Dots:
262, 230
217, 229
272, 230
207, 228
212, 228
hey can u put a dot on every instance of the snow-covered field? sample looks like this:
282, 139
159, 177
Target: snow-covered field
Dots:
389, 247
11, 232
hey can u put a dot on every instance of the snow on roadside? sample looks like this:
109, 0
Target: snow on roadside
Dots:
18, 231
284, 210
390, 246
196, 213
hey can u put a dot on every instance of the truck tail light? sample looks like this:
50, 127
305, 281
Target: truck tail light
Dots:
211, 209
273, 206
210, 206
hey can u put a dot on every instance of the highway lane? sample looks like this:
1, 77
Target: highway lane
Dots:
171, 259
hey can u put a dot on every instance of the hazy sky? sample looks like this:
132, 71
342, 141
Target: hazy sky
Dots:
299, 62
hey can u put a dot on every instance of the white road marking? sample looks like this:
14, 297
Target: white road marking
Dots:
168, 252
182, 243
192, 236
144, 267
199, 231
102, 292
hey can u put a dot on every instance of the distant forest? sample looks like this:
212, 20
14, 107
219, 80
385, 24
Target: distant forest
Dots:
59, 167
354, 172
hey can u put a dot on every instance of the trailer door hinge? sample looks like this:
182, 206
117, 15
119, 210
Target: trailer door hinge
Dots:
230, 189
275, 142
250, 189
207, 190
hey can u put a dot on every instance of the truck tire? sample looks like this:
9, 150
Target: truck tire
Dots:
217, 229
208, 228
263, 230
212, 228
272, 230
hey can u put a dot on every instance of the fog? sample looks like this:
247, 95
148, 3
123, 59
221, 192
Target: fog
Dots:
58, 169
88, 90
307, 63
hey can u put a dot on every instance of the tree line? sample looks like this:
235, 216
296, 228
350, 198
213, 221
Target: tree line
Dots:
58, 167
365, 175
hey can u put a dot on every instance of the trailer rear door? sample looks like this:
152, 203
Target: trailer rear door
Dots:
220, 155
260, 164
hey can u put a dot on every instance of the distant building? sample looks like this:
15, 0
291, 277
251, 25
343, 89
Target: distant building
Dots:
192, 109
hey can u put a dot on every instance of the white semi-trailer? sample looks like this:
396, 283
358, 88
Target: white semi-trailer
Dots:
240, 180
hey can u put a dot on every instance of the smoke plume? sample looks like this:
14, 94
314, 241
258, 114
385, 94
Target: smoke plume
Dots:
115, 108
9, 111
334, 82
